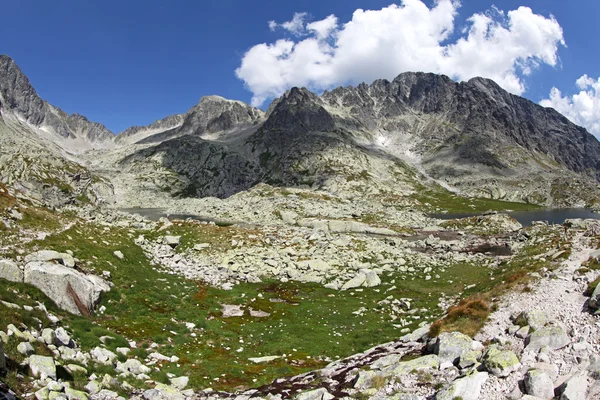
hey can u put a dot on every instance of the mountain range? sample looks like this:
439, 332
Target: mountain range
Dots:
419, 133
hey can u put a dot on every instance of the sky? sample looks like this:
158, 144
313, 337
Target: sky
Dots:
125, 63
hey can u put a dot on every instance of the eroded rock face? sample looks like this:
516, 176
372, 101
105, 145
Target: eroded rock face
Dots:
70, 289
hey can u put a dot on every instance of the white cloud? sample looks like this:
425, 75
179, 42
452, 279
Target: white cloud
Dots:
407, 37
582, 108
324, 27
295, 26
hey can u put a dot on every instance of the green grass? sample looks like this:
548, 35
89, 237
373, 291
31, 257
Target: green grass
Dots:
440, 200
312, 325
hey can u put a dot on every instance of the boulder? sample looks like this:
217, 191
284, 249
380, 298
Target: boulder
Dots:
366, 379
49, 336
71, 290
467, 388
552, 336
500, 362
163, 392
172, 241
355, 282
132, 366
594, 302
535, 319
50, 255
450, 346
317, 394
430, 361
118, 254
574, 388
103, 356
63, 338
42, 367
25, 348
539, 384
180, 382
371, 278
73, 394
10, 271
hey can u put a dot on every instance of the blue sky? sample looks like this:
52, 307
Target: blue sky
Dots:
126, 63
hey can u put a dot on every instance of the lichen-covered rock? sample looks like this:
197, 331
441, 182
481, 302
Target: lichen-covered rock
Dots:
539, 384
449, 346
500, 362
430, 361
366, 379
467, 388
42, 367
552, 336
535, 319
73, 394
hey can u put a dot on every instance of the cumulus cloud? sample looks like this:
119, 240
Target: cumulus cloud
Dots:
410, 36
295, 26
582, 108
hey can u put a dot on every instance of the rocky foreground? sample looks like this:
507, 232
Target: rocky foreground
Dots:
541, 342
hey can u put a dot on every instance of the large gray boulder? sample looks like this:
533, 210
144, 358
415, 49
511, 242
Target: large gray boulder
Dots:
467, 388
70, 289
574, 388
42, 367
501, 362
554, 337
539, 384
449, 346
50, 255
10, 271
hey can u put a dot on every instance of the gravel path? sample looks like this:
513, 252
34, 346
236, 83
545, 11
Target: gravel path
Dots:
559, 295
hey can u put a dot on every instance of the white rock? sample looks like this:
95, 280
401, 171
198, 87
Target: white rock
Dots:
55, 280
10, 271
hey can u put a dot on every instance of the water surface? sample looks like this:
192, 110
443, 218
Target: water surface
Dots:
553, 216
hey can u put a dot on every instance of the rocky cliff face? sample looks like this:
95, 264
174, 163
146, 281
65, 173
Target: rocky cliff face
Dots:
18, 98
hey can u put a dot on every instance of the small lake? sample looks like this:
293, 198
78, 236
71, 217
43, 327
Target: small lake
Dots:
155, 214
553, 216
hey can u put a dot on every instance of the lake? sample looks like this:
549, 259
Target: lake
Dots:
553, 216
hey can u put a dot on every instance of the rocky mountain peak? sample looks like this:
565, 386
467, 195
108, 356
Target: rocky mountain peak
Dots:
19, 98
215, 114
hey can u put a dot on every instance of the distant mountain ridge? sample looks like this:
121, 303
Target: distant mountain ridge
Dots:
384, 138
